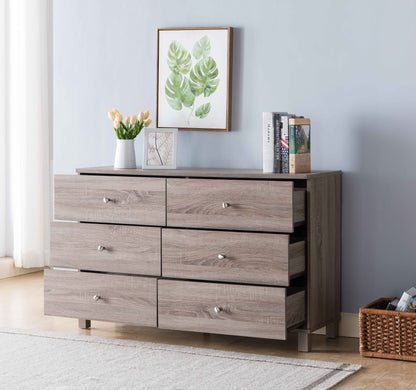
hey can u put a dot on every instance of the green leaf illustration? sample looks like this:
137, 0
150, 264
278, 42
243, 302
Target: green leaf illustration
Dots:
203, 111
202, 48
204, 77
178, 91
179, 59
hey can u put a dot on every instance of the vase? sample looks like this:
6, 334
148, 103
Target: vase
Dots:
125, 155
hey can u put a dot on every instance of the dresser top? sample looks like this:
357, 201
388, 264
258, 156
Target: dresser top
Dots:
203, 173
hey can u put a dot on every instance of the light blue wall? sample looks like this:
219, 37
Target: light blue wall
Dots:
349, 65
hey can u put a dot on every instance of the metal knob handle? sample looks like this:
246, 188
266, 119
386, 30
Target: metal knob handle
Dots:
100, 248
225, 205
96, 297
106, 200
220, 256
217, 309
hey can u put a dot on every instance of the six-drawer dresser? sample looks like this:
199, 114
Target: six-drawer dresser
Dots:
235, 252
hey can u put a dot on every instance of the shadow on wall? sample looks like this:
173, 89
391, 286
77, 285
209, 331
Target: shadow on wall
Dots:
238, 76
379, 213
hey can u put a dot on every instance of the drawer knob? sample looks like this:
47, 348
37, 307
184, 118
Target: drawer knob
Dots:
100, 248
220, 256
225, 205
217, 309
96, 297
106, 200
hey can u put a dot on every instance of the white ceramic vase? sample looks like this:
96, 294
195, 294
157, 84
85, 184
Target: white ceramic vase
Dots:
125, 154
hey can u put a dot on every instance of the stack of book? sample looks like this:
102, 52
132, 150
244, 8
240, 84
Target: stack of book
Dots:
286, 143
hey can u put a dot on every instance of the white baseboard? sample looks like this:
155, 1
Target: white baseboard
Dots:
348, 326
8, 270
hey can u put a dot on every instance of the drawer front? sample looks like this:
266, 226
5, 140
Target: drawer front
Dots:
253, 311
128, 299
130, 200
106, 248
258, 258
269, 206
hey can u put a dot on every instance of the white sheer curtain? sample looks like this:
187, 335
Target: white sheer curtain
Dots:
27, 54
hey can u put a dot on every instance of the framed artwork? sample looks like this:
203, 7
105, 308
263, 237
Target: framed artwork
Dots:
160, 147
194, 77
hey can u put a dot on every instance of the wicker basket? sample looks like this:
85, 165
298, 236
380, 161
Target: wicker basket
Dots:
387, 334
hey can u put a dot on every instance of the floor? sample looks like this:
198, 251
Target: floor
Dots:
21, 306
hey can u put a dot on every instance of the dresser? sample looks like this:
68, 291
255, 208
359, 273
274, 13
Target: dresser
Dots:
236, 252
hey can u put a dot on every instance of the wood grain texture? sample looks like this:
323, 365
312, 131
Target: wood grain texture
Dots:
135, 200
129, 299
245, 310
224, 173
255, 258
297, 258
295, 309
299, 203
127, 249
324, 250
253, 205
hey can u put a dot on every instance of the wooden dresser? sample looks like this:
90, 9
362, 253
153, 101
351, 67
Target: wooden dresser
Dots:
223, 251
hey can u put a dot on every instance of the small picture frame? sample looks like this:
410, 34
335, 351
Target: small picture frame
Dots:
160, 148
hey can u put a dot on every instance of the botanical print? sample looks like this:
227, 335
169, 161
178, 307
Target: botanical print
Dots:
160, 148
186, 83
193, 78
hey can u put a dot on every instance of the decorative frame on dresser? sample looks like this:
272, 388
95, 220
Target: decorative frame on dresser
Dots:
222, 251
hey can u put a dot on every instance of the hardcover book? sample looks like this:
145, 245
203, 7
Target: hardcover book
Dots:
284, 142
299, 145
271, 141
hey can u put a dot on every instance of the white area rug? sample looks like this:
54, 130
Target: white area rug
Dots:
41, 360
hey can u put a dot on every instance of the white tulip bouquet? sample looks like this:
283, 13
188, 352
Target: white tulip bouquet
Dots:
131, 127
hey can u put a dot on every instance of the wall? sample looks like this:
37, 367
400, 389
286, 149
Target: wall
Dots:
349, 65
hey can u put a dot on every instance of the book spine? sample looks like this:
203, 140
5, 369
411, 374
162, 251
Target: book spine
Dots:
268, 142
284, 144
292, 148
277, 152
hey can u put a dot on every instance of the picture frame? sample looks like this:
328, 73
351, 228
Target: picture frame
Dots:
160, 148
194, 78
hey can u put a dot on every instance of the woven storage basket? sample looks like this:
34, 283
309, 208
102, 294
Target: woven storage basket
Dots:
387, 334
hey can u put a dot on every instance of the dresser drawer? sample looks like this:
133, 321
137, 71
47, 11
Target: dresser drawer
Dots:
254, 311
128, 299
107, 248
257, 258
130, 200
252, 205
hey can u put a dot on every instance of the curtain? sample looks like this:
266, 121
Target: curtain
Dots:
2, 128
28, 126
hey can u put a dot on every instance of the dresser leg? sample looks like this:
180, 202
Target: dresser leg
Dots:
332, 329
84, 324
304, 342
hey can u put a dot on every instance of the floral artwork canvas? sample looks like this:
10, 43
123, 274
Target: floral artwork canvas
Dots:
194, 78
160, 148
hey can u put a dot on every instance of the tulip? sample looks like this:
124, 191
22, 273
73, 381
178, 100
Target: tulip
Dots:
116, 124
146, 115
141, 115
127, 120
147, 122
133, 120
119, 117
111, 115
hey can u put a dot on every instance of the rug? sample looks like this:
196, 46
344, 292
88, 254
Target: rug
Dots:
44, 360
